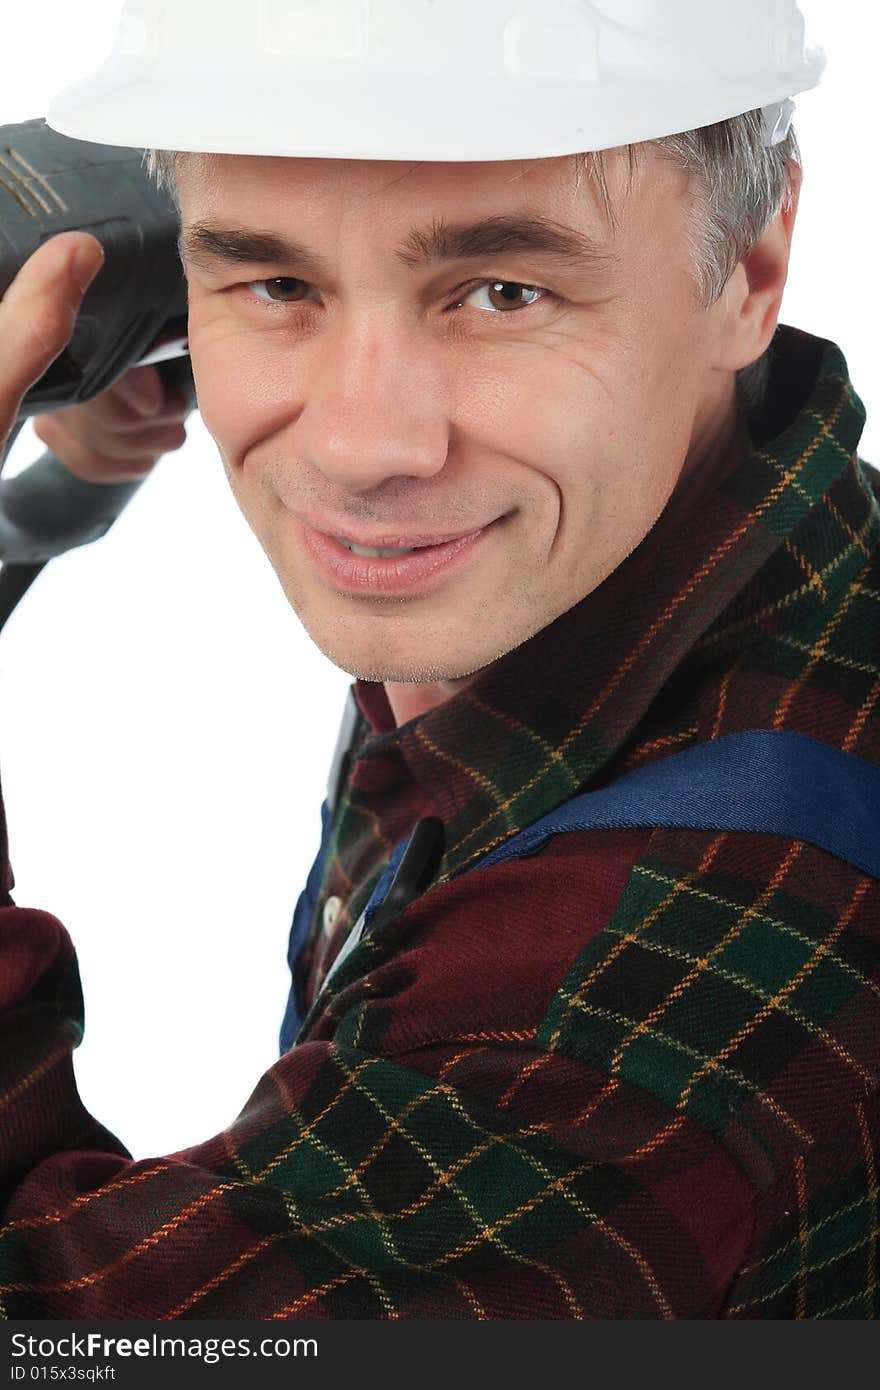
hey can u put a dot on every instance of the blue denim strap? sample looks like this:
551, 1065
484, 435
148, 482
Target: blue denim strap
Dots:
765, 780
302, 919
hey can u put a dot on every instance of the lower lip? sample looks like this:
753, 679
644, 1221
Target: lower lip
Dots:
419, 572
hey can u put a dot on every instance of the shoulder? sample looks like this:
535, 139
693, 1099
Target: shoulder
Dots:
732, 975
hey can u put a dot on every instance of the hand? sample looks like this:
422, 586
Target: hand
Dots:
110, 439
121, 434
38, 314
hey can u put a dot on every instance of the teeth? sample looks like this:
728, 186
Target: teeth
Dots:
369, 553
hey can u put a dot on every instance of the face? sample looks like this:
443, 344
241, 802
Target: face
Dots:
424, 361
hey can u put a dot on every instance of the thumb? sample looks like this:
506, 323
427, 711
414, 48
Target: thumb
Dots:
38, 313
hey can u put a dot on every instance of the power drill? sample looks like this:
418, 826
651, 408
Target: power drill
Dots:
135, 312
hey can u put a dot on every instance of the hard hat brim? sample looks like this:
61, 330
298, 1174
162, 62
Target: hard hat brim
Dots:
296, 113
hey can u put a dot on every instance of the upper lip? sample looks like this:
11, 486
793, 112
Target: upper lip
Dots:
390, 542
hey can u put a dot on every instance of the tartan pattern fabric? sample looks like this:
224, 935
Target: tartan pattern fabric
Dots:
634, 1076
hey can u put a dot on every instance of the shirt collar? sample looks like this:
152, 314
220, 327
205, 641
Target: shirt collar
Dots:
547, 718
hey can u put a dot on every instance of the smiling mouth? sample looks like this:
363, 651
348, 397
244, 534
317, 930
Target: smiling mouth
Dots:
407, 570
391, 546
379, 552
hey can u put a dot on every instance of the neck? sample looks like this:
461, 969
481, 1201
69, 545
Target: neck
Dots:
708, 463
408, 701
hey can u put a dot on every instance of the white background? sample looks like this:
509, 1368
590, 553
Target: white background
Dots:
166, 724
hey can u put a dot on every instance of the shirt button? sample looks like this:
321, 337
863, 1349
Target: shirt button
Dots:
332, 909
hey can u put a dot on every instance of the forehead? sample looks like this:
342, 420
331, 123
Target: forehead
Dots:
387, 193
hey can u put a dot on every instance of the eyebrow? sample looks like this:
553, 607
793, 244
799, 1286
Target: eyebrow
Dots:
504, 235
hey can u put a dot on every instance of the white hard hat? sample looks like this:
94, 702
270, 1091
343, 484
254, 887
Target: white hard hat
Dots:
450, 80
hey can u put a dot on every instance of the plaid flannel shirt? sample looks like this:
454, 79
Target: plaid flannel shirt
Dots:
634, 1076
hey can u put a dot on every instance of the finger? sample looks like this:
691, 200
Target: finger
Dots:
142, 389
108, 413
110, 443
155, 441
38, 314
91, 468
107, 444
147, 397
174, 408
87, 464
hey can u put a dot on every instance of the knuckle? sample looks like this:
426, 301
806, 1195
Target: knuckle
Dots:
160, 441
45, 428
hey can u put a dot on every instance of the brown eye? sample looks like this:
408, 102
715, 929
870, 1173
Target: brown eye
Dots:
503, 295
284, 289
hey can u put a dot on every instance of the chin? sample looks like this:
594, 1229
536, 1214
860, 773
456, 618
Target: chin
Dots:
399, 651
422, 668
409, 673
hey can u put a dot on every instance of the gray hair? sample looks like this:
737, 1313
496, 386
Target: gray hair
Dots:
743, 185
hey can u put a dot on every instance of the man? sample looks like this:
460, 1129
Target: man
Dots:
627, 1068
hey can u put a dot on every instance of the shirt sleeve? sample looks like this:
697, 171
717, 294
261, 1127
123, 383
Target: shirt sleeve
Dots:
477, 1174
350, 1186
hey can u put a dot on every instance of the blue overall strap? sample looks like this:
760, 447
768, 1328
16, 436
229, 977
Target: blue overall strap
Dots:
304, 912
302, 919
765, 780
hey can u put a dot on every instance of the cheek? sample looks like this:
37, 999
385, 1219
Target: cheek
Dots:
534, 407
558, 413
246, 386
611, 436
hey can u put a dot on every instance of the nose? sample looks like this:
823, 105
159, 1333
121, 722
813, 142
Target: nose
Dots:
375, 405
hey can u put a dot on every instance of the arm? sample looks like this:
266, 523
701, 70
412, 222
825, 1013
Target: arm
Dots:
350, 1185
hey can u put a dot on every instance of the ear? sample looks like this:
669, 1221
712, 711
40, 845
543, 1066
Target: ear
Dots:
753, 294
